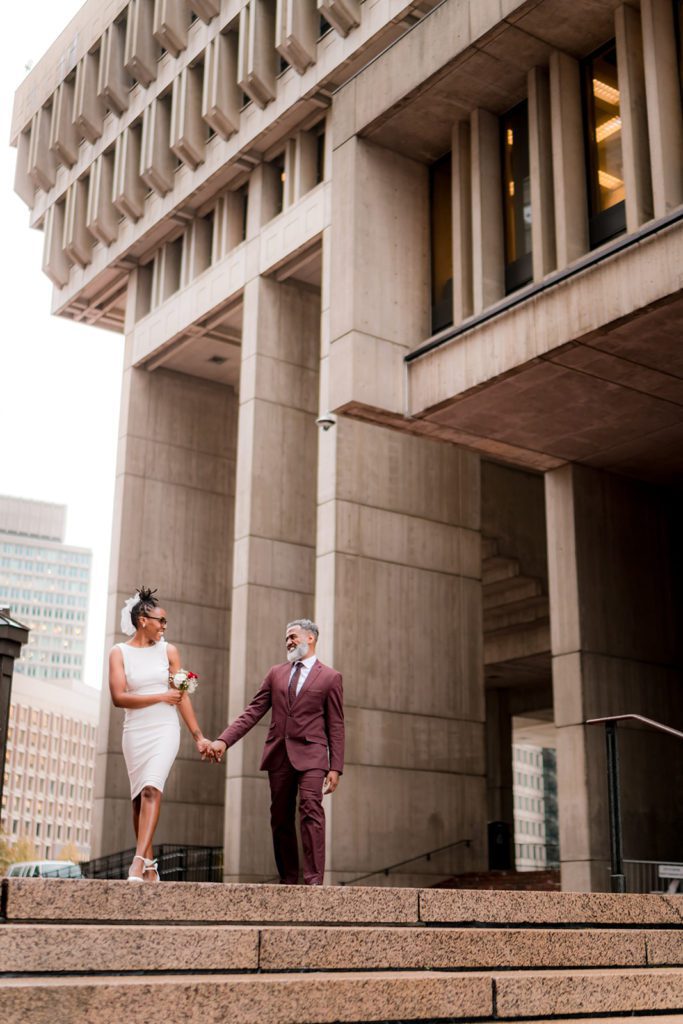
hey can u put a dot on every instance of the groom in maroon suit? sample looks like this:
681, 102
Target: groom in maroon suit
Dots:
304, 749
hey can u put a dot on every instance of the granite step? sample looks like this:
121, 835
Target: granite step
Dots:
322, 998
256, 999
46, 949
97, 900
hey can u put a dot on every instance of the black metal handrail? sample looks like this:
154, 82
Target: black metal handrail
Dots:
616, 841
401, 863
178, 862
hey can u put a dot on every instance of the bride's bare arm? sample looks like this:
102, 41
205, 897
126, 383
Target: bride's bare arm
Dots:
120, 696
185, 706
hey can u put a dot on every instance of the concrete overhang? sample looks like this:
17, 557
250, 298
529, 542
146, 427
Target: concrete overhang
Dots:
464, 55
589, 369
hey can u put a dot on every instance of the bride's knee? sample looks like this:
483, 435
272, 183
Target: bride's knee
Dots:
150, 793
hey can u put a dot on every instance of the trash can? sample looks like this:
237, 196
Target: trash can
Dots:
500, 846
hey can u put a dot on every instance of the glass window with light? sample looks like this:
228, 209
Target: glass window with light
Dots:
440, 218
516, 196
605, 165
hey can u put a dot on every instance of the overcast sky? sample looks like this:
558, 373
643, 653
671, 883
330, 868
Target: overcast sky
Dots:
60, 381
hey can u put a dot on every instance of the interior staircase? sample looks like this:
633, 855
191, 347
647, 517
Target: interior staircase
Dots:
97, 951
516, 609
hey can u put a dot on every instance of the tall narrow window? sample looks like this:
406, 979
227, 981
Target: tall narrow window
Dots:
442, 244
516, 196
678, 19
606, 195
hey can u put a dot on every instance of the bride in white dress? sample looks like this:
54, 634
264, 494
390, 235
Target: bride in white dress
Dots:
139, 681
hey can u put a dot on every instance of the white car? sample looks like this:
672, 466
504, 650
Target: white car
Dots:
44, 869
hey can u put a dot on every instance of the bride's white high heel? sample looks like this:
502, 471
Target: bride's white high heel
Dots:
152, 865
137, 878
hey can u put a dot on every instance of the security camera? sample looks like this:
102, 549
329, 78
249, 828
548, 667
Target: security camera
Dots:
326, 421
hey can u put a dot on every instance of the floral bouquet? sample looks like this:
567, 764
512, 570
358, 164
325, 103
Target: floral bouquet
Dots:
185, 681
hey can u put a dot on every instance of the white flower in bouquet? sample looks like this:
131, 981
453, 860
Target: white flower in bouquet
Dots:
185, 681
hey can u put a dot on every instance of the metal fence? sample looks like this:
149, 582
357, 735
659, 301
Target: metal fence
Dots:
177, 863
653, 875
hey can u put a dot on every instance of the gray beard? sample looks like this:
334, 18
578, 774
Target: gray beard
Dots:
298, 653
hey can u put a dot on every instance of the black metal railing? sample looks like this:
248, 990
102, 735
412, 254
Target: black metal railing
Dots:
177, 863
410, 860
654, 875
616, 840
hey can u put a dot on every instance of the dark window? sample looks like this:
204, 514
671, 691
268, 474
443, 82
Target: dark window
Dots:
279, 164
441, 243
678, 19
602, 111
516, 196
320, 156
244, 193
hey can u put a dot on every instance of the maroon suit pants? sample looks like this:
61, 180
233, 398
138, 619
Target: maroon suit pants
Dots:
285, 783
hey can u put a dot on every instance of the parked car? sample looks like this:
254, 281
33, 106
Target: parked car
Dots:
44, 869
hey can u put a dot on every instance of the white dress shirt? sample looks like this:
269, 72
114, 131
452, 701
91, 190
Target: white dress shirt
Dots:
306, 666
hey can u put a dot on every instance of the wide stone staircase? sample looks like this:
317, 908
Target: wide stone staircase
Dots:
100, 951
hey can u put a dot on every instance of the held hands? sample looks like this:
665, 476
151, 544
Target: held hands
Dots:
203, 745
214, 751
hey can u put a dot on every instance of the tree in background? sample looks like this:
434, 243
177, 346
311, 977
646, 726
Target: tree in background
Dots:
70, 852
14, 852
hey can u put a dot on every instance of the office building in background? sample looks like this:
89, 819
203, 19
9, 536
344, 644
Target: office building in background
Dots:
49, 767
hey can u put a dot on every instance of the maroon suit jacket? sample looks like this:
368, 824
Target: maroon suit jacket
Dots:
311, 731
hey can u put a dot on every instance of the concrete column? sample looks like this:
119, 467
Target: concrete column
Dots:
275, 517
663, 88
398, 600
543, 243
379, 249
488, 245
633, 107
614, 598
173, 530
265, 189
569, 166
461, 204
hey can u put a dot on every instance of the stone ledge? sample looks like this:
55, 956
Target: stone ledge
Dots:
49, 948
53, 948
313, 948
463, 906
70, 900
553, 993
313, 999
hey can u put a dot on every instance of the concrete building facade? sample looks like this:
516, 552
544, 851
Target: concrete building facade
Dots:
455, 228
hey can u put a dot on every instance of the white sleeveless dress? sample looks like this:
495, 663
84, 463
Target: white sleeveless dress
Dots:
151, 735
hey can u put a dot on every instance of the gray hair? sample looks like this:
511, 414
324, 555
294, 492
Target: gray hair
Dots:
307, 625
